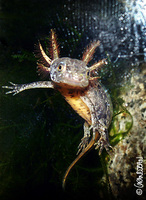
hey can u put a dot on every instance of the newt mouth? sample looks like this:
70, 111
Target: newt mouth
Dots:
72, 84
75, 82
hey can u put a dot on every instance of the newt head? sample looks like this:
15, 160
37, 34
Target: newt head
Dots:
68, 72
65, 71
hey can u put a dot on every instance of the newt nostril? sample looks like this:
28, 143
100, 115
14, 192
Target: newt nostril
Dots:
81, 77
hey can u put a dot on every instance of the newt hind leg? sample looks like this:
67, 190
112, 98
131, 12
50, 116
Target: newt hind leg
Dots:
85, 140
103, 142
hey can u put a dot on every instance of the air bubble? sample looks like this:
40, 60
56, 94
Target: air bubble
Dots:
121, 18
105, 62
94, 18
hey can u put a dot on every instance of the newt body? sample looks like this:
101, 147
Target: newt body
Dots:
73, 78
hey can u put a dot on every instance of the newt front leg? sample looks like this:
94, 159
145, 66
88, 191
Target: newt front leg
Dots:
16, 88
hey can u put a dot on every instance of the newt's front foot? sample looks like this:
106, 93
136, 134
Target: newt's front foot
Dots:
14, 88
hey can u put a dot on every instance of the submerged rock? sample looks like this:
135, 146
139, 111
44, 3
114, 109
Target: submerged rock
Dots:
123, 163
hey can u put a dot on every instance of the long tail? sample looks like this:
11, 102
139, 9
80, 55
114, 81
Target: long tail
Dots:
90, 145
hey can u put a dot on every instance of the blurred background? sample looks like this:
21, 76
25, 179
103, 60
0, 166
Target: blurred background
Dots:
39, 132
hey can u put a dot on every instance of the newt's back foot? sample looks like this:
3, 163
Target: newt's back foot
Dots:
83, 144
101, 144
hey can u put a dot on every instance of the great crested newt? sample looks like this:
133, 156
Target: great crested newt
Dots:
80, 88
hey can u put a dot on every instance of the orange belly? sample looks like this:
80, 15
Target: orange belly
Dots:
73, 98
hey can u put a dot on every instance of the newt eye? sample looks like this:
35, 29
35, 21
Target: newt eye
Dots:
88, 74
60, 67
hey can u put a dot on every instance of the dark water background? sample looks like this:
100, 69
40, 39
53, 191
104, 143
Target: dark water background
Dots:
39, 132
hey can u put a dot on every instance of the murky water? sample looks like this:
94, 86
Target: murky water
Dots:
39, 132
